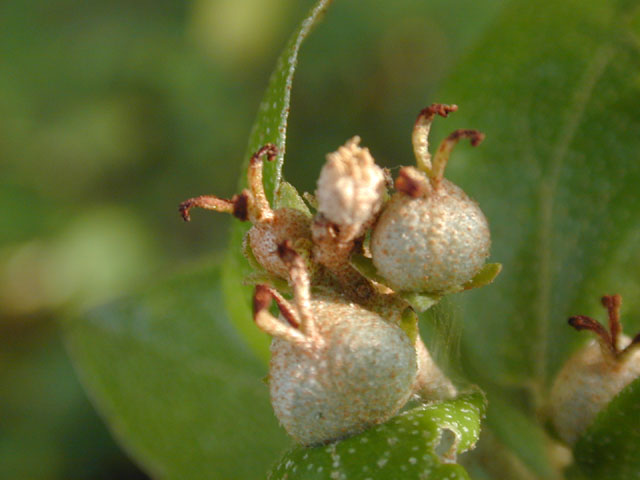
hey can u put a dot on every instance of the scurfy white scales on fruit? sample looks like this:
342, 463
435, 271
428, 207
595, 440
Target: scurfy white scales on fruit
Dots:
336, 367
431, 236
346, 352
595, 374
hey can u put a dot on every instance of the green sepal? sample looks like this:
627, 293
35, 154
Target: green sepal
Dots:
407, 446
288, 197
420, 302
485, 276
409, 324
365, 266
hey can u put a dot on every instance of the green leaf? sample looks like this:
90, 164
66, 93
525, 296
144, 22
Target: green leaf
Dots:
418, 443
556, 176
177, 384
610, 448
270, 126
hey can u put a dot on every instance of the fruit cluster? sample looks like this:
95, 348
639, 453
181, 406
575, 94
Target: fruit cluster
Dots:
346, 352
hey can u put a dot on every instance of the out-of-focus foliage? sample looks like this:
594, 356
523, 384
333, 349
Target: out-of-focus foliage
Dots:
551, 83
113, 112
178, 383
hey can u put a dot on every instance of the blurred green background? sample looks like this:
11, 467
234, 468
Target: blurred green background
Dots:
112, 112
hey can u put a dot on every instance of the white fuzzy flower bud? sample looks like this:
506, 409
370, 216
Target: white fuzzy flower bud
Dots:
351, 187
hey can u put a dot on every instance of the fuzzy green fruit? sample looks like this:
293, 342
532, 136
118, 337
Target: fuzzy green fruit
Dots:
359, 372
431, 237
431, 243
585, 385
265, 236
594, 375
